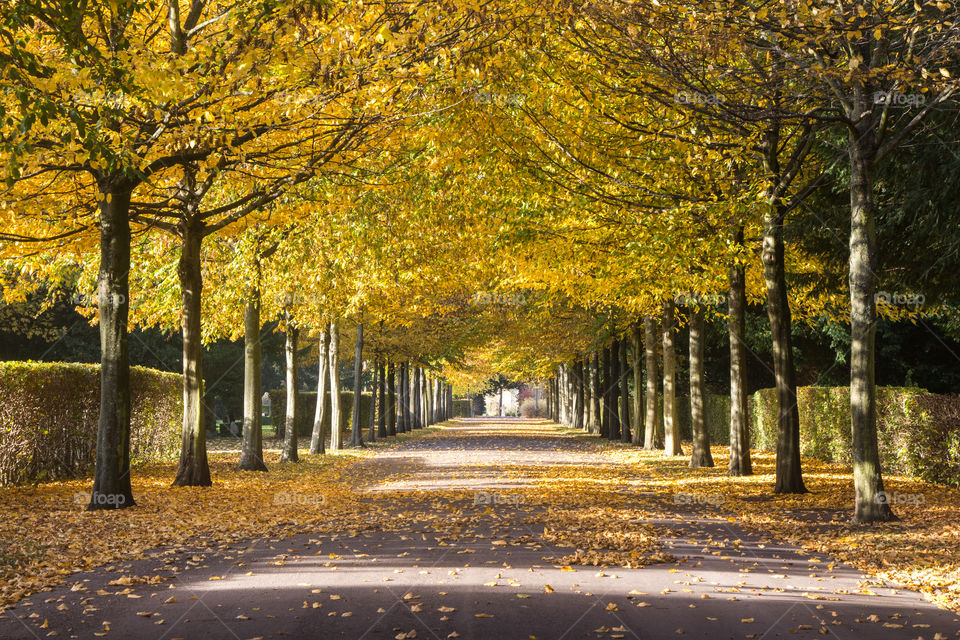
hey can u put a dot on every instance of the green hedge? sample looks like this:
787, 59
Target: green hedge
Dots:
918, 432
461, 408
716, 415
49, 413
308, 406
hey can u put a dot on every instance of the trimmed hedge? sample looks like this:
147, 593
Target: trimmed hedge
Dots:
461, 408
918, 432
308, 406
716, 415
49, 413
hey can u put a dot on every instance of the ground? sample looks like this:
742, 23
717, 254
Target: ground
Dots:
478, 529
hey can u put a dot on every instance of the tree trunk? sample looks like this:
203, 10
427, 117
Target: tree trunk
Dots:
579, 421
251, 458
636, 345
701, 456
614, 389
193, 470
428, 399
404, 397
356, 434
603, 373
650, 427
595, 393
583, 376
382, 400
871, 503
318, 439
334, 367
111, 482
671, 429
740, 464
416, 399
290, 453
374, 372
392, 397
789, 478
624, 394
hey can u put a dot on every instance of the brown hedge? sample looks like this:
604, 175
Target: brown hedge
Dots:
49, 413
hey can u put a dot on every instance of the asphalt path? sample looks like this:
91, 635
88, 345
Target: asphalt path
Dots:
493, 579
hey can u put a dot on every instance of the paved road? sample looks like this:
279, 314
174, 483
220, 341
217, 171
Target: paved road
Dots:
439, 565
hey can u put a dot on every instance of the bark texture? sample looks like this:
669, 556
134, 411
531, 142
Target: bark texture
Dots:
193, 470
671, 429
251, 457
701, 456
111, 482
636, 415
356, 429
318, 437
334, 367
740, 463
789, 478
871, 504
652, 421
292, 412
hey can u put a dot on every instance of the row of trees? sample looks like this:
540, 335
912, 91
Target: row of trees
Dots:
478, 189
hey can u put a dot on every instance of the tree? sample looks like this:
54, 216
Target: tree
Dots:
701, 456
356, 430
